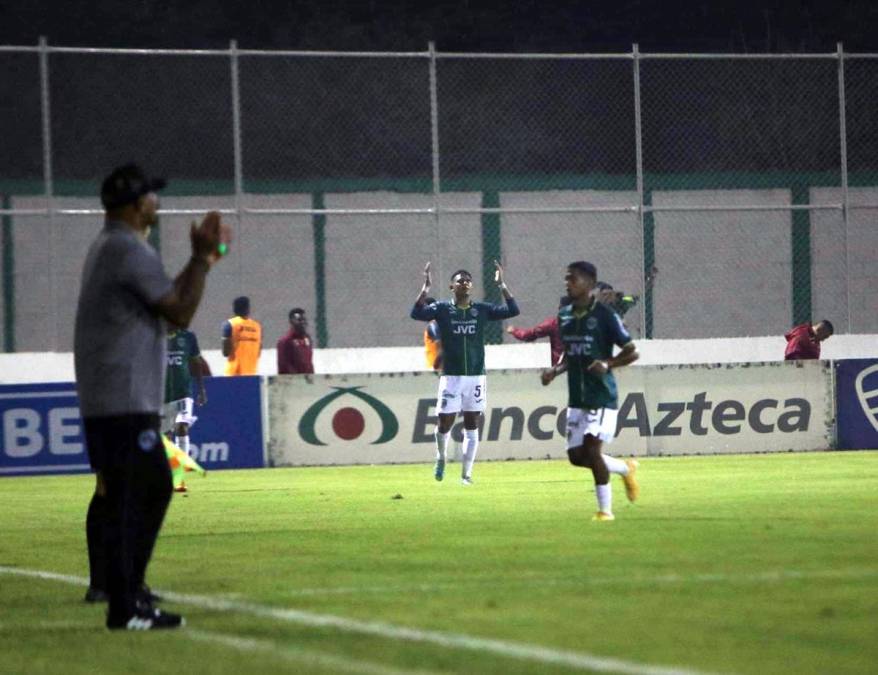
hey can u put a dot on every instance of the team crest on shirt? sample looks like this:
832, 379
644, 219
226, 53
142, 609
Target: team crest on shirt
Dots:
591, 323
474, 312
147, 439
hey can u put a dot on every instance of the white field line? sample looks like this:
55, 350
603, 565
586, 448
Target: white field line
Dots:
308, 657
662, 579
502, 648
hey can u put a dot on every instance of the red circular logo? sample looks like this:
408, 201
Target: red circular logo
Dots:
348, 423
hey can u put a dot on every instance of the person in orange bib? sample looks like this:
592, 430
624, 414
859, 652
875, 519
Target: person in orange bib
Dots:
433, 343
242, 340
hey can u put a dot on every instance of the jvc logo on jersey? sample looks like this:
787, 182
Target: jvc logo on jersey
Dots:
579, 349
465, 329
175, 359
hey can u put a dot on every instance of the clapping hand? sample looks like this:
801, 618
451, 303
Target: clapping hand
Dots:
427, 282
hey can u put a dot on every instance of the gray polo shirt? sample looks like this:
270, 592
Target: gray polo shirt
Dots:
119, 339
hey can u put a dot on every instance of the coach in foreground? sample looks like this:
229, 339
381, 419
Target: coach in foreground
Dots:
119, 351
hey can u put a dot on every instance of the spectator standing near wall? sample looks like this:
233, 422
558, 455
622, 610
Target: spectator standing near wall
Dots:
432, 342
803, 341
295, 349
546, 328
242, 340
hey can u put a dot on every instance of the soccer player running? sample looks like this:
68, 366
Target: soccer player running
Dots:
461, 325
184, 359
589, 329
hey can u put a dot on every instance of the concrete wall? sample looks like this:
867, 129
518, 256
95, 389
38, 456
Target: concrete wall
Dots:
538, 246
58, 367
721, 273
837, 256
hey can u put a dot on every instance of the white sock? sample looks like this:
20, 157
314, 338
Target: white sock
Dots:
605, 497
615, 465
182, 442
470, 447
441, 444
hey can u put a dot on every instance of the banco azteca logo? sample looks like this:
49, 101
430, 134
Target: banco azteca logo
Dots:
348, 423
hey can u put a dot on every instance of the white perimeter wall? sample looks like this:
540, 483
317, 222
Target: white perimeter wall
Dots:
58, 367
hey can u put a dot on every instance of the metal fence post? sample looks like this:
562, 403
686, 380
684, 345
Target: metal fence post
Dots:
8, 248
239, 172
647, 243
48, 184
845, 206
434, 147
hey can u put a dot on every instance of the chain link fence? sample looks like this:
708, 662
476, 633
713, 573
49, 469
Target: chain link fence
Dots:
749, 182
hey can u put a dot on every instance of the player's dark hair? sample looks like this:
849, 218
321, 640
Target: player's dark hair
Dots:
829, 326
583, 267
296, 310
241, 306
429, 300
462, 272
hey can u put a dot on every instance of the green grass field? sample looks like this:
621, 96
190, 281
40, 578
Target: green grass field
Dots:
743, 564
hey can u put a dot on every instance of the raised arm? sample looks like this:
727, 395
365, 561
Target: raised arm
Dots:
545, 328
510, 309
422, 311
179, 305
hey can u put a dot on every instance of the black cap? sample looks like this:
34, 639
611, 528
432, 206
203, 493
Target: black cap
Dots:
603, 286
126, 184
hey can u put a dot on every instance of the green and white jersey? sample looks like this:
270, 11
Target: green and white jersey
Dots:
462, 331
182, 349
588, 335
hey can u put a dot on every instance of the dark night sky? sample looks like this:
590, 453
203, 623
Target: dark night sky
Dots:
461, 25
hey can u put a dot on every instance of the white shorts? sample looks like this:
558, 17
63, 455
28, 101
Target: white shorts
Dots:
178, 412
582, 422
457, 393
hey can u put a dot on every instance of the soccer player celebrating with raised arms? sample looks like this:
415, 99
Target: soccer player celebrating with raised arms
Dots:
462, 383
589, 329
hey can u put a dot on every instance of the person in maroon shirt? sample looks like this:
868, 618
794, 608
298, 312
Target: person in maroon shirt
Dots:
294, 350
803, 341
547, 328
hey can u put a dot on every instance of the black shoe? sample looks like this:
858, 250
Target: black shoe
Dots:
95, 595
148, 619
147, 596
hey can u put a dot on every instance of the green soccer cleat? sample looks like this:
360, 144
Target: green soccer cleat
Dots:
439, 470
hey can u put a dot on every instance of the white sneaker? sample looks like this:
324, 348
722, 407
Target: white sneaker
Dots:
466, 480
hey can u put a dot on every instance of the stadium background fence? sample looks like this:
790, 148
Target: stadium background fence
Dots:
749, 181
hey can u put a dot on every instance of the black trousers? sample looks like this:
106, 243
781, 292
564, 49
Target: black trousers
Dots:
127, 450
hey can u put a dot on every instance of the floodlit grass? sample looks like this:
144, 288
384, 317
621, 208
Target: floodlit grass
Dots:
744, 564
